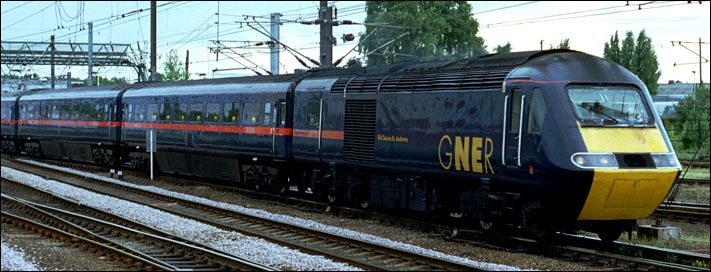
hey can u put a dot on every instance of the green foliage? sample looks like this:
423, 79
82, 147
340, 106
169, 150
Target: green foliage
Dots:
691, 119
564, 44
503, 49
645, 62
438, 30
700, 264
671, 258
612, 50
174, 69
629, 251
104, 81
639, 57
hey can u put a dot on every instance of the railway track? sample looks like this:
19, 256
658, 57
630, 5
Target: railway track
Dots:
680, 211
159, 249
361, 254
589, 249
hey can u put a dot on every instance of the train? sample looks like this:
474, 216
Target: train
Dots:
552, 140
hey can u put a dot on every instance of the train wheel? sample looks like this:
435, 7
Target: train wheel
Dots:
331, 198
609, 235
487, 225
536, 221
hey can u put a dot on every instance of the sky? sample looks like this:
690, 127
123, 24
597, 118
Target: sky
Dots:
197, 26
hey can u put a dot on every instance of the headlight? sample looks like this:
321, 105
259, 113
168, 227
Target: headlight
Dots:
666, 160
594, 160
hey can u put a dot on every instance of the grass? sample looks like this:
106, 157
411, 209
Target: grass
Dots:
690, 240
695, 173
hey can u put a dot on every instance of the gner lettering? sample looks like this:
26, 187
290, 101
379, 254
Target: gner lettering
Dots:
470, 154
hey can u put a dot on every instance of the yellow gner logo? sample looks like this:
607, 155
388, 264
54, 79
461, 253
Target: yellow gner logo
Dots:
470, 154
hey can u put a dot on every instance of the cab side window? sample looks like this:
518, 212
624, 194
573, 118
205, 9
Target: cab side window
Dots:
537, 112
313, 113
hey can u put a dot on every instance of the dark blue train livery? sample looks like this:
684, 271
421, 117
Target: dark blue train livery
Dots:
543, 140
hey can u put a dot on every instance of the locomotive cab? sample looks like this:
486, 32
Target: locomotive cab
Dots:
583, 145
625, 146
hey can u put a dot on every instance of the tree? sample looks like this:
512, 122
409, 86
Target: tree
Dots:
645, 61
104, 81
612, 49
564, 44
627, 51
503, 49
419, 30
639, 57
692, 121
174, 69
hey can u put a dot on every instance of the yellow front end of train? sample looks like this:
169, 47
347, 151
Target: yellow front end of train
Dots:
628, 193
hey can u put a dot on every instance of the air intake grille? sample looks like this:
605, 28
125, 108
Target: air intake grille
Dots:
359, 131
427, 81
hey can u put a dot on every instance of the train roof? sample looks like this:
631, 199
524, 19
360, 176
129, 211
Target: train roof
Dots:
73, 93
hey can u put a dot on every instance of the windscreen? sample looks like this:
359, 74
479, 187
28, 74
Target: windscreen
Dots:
609, 106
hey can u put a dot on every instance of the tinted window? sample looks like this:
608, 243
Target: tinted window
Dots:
65, 111
55, 112
152, 112
213, 112
251, 114
231, 113
166, 111
181, 111
537, 112
195, 113
609, 105
76, 108
267, 113
313, 113
139, 113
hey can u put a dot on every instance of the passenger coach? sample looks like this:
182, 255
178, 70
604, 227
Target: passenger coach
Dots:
77, 124
218, 128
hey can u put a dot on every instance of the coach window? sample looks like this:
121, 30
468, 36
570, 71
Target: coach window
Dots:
267, 113
152, 112
85, 112
282, 114
212, 112
55, 112
166, 110
66, 111
96, 112
139, 112
75, 111
251, 114
195, 113
108, 113
127, 112
39, 113
231, 113
29, 111
181, 111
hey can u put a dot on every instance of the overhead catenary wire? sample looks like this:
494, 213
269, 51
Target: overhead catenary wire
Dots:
287, 47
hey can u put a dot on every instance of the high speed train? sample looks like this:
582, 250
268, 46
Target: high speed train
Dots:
542, 140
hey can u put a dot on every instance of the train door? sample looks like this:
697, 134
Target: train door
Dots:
525, 111
514, 124
281, 140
